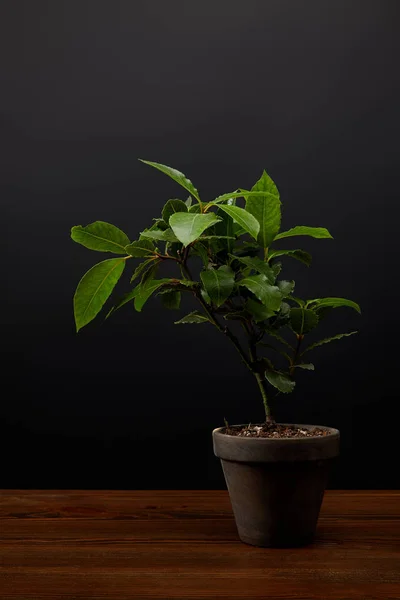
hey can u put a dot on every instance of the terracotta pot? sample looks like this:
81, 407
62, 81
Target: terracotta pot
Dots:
276, 486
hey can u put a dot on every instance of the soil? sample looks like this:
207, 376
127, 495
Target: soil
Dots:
274, 430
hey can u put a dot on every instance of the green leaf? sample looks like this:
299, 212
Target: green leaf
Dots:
267, 293
225, 228
318, 303
285, 287
242, 218
277, 268
188, 227
315, 232
258, 265
266, 209
233, 195
140, 248
302, 320
306, 366
94, 289
339, 336
282, 318
199, 249
188, 201
258, 311
158, 224
171, 299
193, 317
141, 267
278, 337
176, 176
300, 255
173, 206
280, 381
166, 235
123, 300
298, 301
146, 289
195, 208
218, 283
101, 236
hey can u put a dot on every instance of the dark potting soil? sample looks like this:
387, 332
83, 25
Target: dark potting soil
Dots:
274, 430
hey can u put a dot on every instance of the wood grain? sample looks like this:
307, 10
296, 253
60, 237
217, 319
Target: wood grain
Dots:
183, 544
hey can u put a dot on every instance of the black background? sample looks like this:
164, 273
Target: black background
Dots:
220, 90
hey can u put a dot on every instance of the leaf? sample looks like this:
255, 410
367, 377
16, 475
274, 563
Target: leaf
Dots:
94, 289
218, 283
158, 224
282, 318
140, 248
242, 218
333, 303
101, 236
225, 228
146, 290
233, 195
200, 249
173, 206
195, 208
285, 287
123, 300
267, 293
277, 268
280, 381
141, 267
315, 232
258, 265
188, 201
258, 311
278, 337
176, 176
171, 299
188, 227
193, 317
302, 320
339, 336
266, 209
166, 235
306, 366
300, 255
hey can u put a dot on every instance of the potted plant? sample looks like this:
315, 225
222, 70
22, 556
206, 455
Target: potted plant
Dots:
275, 473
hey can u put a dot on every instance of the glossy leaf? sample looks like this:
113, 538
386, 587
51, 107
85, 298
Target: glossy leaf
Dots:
242, 218
176, 176
142, 267
315, 232
300, 255
255, 263
280, 381
258, 311
146, 290
218, 283
171, 207
193, 317
166, 235
101, 236
263, 290
225, 228
140, 248
94, 289
266, 208
318, 303
128, 297
188, 227
339, 336
285, 287
171, 299
306, 366
303, 320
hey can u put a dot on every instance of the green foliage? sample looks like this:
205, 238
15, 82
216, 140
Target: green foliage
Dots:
242, 218
100, 236
266, 209
218, 283
235, 276
94, 289
188, 227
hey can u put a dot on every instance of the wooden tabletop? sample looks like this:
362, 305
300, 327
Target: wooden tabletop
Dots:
183, 544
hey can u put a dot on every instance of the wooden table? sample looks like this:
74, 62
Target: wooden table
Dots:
183, 544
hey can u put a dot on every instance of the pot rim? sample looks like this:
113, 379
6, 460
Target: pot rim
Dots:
332, 433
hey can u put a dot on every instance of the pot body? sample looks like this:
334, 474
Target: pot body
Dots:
276, 486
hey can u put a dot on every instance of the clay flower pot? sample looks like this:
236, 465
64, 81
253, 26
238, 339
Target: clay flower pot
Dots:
276, 486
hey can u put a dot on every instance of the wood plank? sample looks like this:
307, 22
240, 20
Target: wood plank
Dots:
173, 544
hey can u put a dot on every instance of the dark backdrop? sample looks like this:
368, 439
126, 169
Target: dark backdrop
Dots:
220, 90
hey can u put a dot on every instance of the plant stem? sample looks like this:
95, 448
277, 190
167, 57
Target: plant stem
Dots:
260, 381
296, 352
